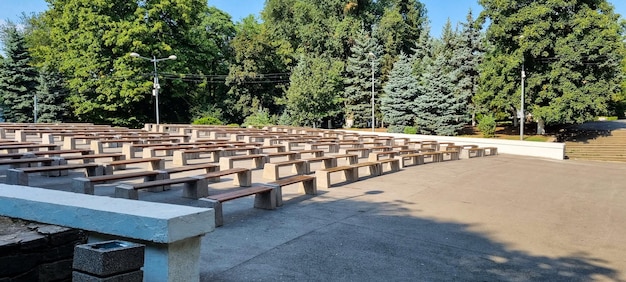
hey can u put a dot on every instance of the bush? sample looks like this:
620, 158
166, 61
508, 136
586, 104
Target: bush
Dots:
410, 130
395, 129
259, 119
208, 120
487, 125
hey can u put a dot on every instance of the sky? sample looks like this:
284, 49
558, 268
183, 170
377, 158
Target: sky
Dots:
438, 10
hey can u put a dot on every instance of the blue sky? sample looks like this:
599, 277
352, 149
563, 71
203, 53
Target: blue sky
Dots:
438, 10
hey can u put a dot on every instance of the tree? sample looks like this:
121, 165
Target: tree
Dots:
89, 43
18, 79
465, 60
437, 110
51, 94
314, 94
402, 91
258, 73
401, 24
365, 58
571, 51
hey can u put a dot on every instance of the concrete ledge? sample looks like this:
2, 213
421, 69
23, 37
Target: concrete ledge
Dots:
171, 233
549, 150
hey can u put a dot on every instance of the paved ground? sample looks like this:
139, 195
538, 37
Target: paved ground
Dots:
501, 218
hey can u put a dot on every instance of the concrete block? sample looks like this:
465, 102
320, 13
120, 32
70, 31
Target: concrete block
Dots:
135, 276
108, 258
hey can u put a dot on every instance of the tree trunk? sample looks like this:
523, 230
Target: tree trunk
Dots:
541, 127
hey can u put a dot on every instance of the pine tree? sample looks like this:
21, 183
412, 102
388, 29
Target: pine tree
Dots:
437, 109
358, 90
18, 80
51, 94
401, 92
465, 60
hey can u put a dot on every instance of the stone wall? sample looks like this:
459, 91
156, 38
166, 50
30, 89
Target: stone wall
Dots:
31, 251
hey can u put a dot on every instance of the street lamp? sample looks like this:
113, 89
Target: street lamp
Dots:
521, 117
156, 86
35, 107
373, 60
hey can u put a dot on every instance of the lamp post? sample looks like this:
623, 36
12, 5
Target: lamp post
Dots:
373, 58
521, 117
156, 86
35, 107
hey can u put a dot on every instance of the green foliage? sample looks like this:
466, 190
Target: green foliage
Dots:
487, 126
315, 90
358, 79
259, 119
51, 94
571, 51
401, 91
258, 74
209, 120
410, 130
18, 79
395, 129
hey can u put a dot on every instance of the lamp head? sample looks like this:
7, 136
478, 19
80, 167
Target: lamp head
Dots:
172, 57
135, 55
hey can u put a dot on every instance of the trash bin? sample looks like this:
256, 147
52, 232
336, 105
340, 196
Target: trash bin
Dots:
108, 261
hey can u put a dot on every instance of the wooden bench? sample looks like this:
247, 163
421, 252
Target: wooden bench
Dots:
151, 152
350, 158
155, 164
315, 153
271, 170
20, 176
85, 185
410, 159
28, 162
13, 148
350, 174
181, 157
277, 148
374, 168
393, 164
195, 187
291, 155
332, 147
259, 160
363, 152
208, 167
490, 151
327, 162
451, 155
375, 156
435, 156
307, 184
91, 158
472, 152
243, 176
265, 198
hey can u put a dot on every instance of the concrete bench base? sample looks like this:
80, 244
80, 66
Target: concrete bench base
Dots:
307, 185
171, 235
265, 198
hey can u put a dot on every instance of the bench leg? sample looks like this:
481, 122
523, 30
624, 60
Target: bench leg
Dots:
128, 150
323, 178
278, 194
270, 171
265, 200
216, 206
196, 189
179, 158
83, 186
17, 177
309, 187
226, 163
243, 179
260, 162
351, 175
157, 165
94, 171
125, 191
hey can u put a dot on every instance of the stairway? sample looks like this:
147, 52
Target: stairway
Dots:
596, 145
